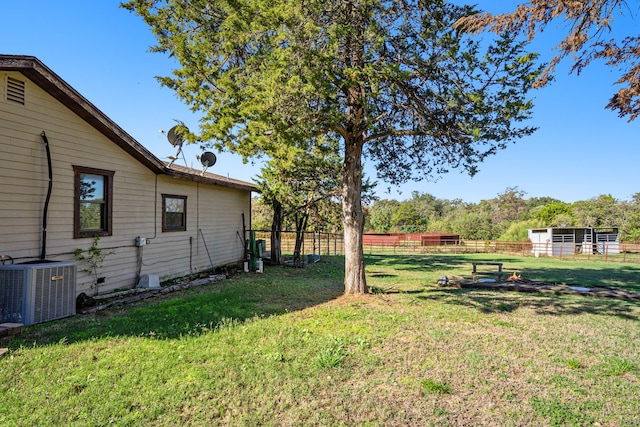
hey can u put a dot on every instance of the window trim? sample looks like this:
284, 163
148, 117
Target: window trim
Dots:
164, 211
108, 187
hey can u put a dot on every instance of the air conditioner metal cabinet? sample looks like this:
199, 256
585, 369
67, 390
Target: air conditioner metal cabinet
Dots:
37, 292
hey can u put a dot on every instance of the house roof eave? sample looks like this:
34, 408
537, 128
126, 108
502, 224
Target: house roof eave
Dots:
32, 68
187, 174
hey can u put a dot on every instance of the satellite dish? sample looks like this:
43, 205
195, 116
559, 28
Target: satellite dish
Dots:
175, 137
207, 159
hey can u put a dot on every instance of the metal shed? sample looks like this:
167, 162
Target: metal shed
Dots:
564, 241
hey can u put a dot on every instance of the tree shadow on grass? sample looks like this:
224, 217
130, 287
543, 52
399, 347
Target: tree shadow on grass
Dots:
543, 270
538, 269
501, 301
414, 262
623, 276
195, 310
429, 262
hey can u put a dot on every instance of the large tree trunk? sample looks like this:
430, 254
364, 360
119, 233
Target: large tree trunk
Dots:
353, 218
355, 281
276, 233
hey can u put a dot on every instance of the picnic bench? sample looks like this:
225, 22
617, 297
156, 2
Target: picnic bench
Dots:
476, 271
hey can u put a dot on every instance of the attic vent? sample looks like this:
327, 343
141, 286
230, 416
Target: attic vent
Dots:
15, 90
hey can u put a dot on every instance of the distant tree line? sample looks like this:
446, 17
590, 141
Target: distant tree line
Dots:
506, 217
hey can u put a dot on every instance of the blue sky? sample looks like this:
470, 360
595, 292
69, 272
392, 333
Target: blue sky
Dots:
580, 151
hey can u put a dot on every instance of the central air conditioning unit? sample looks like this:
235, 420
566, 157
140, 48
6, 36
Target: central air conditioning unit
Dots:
37, 292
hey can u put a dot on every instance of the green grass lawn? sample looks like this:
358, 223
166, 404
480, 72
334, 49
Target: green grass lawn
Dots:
286, 348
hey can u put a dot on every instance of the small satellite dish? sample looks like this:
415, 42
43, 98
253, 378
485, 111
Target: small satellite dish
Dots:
175, 137
207, 159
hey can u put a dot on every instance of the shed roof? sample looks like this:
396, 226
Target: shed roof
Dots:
32, 68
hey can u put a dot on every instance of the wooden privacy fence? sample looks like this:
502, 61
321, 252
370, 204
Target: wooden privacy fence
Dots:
319, 243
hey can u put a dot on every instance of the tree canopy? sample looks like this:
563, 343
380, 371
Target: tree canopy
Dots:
300, 185
505, 217
393, 80
588, 24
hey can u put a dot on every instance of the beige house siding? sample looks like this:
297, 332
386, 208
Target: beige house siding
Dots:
214, 221
214, 212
